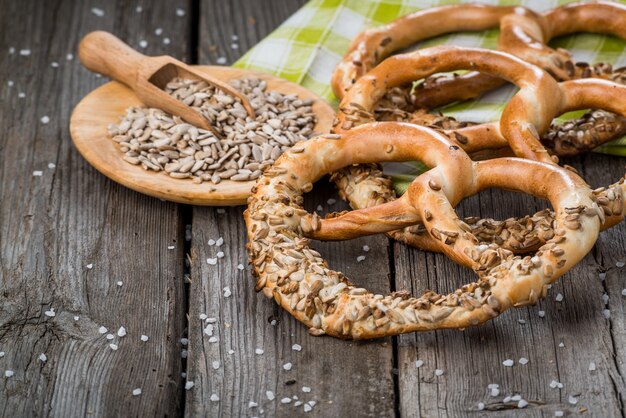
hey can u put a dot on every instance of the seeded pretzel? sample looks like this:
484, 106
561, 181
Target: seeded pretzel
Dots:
328, 303
528, 114
372, 46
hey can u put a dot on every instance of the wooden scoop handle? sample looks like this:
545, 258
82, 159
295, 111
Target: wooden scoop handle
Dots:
106, 54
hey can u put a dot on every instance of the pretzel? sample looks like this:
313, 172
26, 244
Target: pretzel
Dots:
372, 46
328, 303
530, 111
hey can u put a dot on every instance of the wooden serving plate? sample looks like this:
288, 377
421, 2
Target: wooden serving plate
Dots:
108, 103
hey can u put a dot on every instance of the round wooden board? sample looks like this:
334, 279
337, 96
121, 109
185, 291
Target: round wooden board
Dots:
108, 103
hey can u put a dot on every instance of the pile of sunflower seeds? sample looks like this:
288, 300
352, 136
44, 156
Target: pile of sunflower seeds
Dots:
157, 141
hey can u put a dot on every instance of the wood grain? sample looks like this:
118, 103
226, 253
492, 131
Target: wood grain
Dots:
103, 106
54, 227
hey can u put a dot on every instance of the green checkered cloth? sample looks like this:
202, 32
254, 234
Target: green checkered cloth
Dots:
306, 48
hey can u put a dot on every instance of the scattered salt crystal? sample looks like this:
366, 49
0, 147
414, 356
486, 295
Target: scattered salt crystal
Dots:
227, 292
234, 46
312, 403
481, 406
10, 83
234, 37
45, 120
306, 389
121, 332
24, 52
136, 392
119, 283
523, 361
506, 399
37, 173
606, 313
572, 399
139, 9
54, 64
287, 366
166, 41
602, 275
202, 316
184, 353
592, 366
494, 392
43, 357
9, 373
559, 297
231, 352
259, 351
188, 384
240, 267
69, 57
110, 336
211, 242
215, 365
623, 292
307, 407
89, 266
97, 12
522, 404
298, 403
171, 247
221, 211
541, 314
558, 413
419, 363
285, 400
102, 330
331, 201
319, 208
296, 347
366, 248
360, 258
21, 95
493, 386
508, 363
219, 242
211, 320
143, 43
144, 338
12, 50
620, 264
76, 318
270, 395
180, 12
211, 261
516, 398
561, 345
213, 339
438, 372
113, 346
554, 385
50, 313
605, 298
158, 31
220, 254
1, 354
184, 341
214, 397
521, 321
221, 60
252, 404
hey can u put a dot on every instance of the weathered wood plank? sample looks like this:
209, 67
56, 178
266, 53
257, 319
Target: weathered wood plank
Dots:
68, 237
472, 359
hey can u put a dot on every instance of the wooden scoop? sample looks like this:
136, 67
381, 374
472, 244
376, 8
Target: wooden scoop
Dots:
106, 54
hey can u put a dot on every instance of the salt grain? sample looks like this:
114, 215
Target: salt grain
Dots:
219, 242
166, 41
592, 366
54, 64
360, 258
556, 385
620, 264
43, 357
213, 339
481, 406
11, 50
602, 275
139, 9
259, 351
306, 389
120, 283
227, 292
143, 43
10, 83
331, 201
114, 347
523, 361
541, 314
171, 247
211, 261
270, 395
9, 373
188, 385
522, 404
144, 338
51, 165
285, 400
184, 341
252, 404
76, 318
110, 336
180, 12
211, 242
296, 347
2, 354
184, 353
220, 254
158, 31
50, 313
287, 366
419, 363
307, 407
623, 292
215, 364
240, 267
559, 297
121, 332
69, 57
89, 266
221, 60
102, 330
136, 392
606, 313
25, 52
572, 400
558, 413
438, 372
37, 173
234, 46
366, 248
97, 12
508, 363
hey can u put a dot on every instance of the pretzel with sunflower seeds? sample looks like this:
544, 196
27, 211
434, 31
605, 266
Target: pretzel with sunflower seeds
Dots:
326, 301
527, 115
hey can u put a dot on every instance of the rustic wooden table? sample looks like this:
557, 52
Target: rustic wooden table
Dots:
80, 252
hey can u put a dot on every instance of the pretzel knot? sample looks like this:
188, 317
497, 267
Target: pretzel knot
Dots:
328, 303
